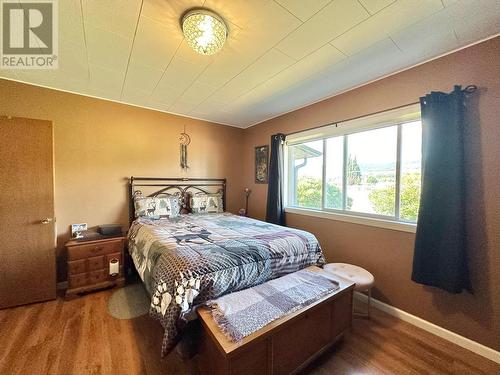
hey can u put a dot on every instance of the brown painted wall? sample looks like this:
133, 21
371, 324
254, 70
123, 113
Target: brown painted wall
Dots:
97, 144
386, 253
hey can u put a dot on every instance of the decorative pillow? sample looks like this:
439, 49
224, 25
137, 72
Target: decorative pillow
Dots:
202, 203
173, 205
156, 207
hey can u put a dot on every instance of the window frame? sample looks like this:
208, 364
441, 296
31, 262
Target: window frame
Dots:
397, 117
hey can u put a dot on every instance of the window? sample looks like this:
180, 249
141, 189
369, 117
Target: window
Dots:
369, 167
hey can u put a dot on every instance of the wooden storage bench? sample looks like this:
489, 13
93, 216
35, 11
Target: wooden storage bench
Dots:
282, 347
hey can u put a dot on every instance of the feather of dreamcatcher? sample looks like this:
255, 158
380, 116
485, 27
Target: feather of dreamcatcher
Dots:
184, 141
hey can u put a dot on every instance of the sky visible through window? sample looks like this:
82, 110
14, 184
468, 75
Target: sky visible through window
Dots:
371, 187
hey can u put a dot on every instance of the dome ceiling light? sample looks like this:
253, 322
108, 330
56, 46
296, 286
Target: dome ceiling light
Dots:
204, 30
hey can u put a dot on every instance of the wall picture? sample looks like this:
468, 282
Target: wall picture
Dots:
262, 164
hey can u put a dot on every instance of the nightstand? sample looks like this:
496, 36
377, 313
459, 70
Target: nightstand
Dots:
89, 264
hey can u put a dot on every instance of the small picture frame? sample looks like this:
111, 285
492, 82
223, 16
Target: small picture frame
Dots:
77, 229
262, 164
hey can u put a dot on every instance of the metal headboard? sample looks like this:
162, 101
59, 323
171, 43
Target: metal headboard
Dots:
176, 186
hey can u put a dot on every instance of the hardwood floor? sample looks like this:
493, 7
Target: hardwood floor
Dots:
80, 337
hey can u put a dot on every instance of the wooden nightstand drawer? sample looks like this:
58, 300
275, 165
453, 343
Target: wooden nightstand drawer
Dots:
96, 277
83, 251
96, 263
77, 266
88, 265
76, 281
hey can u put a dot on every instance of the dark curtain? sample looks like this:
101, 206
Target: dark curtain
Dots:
440, 258
275, 206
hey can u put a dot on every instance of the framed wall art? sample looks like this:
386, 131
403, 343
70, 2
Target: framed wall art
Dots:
262, 164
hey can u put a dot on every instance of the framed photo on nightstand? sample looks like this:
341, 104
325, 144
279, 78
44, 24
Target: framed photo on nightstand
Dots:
77, 229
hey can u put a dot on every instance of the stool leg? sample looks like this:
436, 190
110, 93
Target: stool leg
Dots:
363, 314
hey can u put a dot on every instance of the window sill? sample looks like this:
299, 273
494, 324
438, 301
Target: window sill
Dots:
373, 222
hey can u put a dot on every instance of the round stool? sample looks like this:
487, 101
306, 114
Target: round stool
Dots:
363, 279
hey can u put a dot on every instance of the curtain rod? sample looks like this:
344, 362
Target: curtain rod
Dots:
468, 90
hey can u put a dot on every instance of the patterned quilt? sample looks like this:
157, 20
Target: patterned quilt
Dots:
188, 260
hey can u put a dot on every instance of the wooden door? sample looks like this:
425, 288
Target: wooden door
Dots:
27, 229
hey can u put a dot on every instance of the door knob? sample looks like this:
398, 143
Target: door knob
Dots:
47, 220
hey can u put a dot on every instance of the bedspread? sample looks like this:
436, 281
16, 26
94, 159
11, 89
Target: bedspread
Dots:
188, 260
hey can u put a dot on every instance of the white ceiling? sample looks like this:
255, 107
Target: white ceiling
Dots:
280, 55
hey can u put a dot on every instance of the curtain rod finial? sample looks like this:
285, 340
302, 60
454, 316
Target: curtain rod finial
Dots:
470, 89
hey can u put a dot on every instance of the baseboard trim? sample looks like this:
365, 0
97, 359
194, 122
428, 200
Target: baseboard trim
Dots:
450, 336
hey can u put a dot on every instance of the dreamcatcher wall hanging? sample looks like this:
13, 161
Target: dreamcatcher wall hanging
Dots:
184, 141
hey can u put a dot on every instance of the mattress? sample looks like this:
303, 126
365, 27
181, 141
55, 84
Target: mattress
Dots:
188, 260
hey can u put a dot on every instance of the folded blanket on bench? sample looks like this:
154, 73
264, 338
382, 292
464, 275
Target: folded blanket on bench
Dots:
241, 313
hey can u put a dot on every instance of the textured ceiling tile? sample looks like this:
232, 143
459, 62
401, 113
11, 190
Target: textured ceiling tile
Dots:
154, 44
136, 96
161, 106
208, 107
303, 9
264, 68
181, 74
310, 65
392, 19
197, 93
106, 80
263, 24
382, 58
117, 16
73, 84
186, 53
142, 77
70, 21
107, 49
248, 45
37, 77
227, 64
72, 61
244, 12
477, 20
181, 107
8, 73
373, 6
168, 12
249, 80
331, 21
103, 93
165, 93
372, 63
426, 38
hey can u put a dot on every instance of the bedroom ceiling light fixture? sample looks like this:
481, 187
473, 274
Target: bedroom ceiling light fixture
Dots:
204, 30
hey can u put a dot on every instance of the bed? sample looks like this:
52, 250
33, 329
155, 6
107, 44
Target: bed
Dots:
189, 259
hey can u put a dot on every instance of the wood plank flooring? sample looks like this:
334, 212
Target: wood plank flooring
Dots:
80, 337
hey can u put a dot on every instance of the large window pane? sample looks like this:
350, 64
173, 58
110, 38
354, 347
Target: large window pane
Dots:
306, 172
334, 172
371, 171
411, 162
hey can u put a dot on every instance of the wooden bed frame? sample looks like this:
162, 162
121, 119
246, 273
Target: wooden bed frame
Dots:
183, 187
